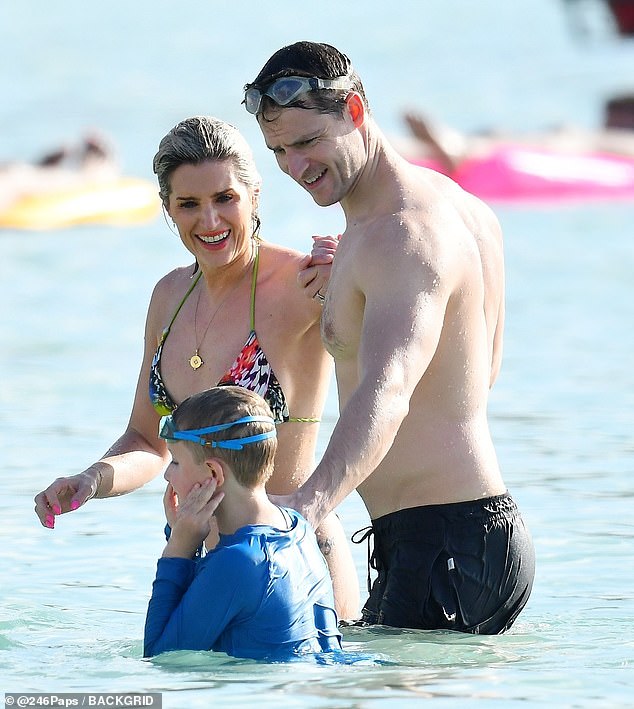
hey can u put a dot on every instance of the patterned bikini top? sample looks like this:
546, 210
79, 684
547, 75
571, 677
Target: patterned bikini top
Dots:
250, 370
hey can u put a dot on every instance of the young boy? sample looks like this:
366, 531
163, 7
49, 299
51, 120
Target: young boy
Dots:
264, 591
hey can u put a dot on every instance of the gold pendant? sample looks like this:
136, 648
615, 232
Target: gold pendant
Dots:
195, 361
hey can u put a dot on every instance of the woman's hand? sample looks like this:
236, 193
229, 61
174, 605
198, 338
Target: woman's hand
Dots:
191, 519
66, 495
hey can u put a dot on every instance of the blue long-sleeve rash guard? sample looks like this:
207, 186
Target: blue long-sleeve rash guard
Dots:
262, 592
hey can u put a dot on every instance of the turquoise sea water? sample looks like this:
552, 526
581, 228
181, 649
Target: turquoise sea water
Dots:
71, 321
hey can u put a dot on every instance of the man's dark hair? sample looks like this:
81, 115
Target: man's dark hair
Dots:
310, 59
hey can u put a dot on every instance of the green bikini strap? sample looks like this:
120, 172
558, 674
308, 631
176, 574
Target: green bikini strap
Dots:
180, 305
254, 281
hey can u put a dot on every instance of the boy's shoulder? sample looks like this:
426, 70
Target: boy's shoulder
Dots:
235, 559
250, 543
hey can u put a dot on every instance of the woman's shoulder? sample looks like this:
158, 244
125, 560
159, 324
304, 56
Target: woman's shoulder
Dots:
279, 263
280, 255
174, 282
278, 274
168, 291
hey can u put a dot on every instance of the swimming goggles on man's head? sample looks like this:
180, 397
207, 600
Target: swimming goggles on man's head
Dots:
168, 432
287, 89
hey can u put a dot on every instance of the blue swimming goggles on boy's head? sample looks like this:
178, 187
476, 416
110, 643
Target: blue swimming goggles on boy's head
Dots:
287, 89
168, 432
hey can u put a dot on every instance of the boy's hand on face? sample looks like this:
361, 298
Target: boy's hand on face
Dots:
170, 504
192, 517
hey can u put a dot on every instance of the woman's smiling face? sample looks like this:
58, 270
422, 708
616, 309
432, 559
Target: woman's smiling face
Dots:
212, 210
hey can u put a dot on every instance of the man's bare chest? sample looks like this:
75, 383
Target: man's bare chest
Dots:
342, 316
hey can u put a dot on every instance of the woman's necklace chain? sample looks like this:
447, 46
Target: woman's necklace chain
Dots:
196, 361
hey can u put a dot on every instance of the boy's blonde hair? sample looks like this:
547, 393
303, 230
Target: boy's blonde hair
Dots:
251, 466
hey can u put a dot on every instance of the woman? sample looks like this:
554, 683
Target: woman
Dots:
213, 323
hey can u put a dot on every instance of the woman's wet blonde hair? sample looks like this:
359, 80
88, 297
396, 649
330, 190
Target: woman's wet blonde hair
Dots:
201, 138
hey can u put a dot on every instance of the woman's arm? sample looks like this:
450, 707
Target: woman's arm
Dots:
137, 457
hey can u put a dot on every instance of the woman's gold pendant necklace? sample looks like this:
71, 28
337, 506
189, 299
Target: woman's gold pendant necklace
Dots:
196, 361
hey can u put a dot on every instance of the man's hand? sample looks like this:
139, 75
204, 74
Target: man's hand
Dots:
294, 502
315, 268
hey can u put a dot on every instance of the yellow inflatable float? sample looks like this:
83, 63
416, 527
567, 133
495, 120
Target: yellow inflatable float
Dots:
120, 201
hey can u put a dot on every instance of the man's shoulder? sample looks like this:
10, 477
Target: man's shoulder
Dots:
412, 229
418, 244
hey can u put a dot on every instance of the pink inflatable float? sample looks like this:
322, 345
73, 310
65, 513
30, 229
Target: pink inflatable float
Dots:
521, 174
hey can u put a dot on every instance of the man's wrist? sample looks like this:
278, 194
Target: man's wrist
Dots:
308, 506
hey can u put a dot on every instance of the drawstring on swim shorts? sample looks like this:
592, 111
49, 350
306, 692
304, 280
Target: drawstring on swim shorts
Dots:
358, 538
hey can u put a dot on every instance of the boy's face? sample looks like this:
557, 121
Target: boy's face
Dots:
184, 471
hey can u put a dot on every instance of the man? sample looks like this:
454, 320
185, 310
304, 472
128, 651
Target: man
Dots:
413, 316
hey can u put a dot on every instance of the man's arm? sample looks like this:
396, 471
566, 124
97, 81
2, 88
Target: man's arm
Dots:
402, 321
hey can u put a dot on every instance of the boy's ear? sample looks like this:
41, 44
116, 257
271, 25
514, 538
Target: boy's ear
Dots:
216, 470
356, 108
